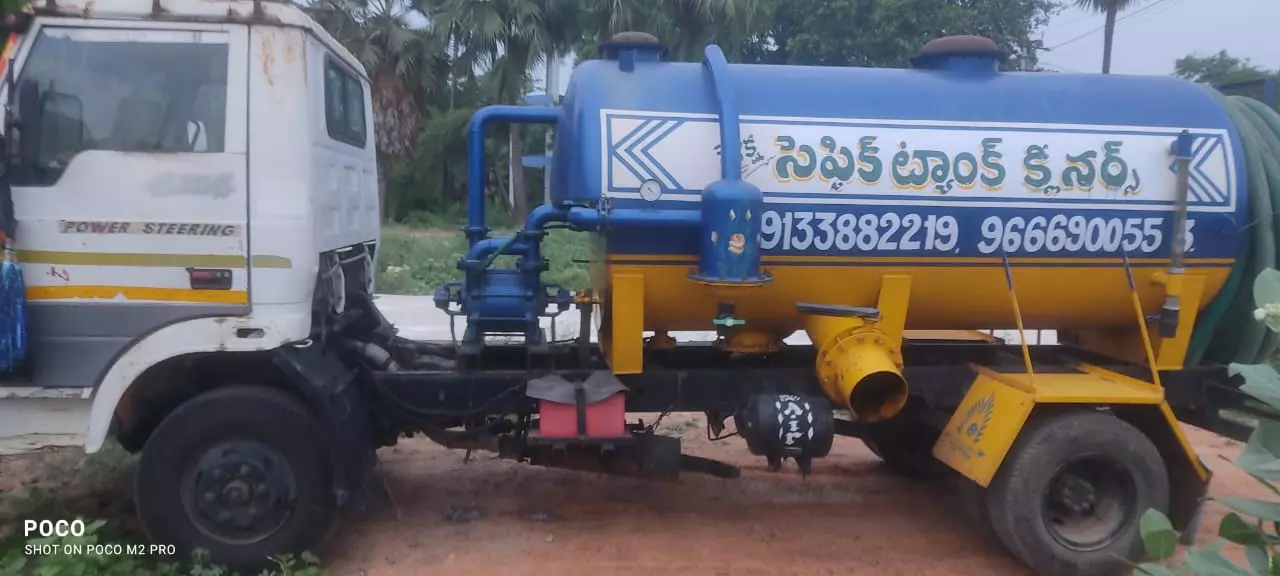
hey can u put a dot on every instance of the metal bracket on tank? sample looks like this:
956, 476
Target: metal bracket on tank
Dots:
868, 314
1182, 152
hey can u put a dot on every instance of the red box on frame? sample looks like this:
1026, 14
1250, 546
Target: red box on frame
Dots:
605, 419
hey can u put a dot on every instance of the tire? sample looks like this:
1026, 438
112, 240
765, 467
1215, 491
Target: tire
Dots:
1100, 465
905, 443
257, 448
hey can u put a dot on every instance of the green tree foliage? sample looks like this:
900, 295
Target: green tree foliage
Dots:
685, 26
434, 62
508, 38
886, 33
1217, 69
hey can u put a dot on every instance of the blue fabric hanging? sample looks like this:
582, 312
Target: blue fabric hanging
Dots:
13, 312
13, 291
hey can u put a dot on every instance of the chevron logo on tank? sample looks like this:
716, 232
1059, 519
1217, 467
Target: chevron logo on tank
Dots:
1201, 186
634, 151
845, 161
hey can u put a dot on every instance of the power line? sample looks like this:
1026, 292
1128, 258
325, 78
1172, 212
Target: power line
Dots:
1104, 26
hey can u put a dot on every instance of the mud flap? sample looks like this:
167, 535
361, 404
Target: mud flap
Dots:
983, 428
330, 391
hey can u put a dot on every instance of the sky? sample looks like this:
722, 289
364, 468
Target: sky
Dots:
1152, 35
1149, 36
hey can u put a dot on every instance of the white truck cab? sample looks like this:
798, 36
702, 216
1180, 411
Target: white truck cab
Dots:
191, 180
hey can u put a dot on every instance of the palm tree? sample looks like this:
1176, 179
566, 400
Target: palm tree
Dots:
404, 63
1110, 8
508, 38
685, 25
696, 23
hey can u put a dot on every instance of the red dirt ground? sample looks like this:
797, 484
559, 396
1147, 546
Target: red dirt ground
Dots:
852, 516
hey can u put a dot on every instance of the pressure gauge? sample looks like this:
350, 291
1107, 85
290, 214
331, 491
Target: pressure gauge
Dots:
650, 190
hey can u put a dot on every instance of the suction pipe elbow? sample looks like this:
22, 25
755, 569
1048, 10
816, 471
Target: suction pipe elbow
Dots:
543, 215
857, 366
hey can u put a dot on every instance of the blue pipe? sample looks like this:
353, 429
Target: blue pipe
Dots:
592, 219
482, 249
538, 219
476, 229
543, 215
587, 219
730, 137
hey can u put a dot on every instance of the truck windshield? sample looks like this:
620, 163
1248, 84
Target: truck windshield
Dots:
156, 91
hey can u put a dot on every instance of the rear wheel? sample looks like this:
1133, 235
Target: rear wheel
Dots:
1070, 493
241, 472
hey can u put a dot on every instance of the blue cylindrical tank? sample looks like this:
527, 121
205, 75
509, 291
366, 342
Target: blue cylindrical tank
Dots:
939, 171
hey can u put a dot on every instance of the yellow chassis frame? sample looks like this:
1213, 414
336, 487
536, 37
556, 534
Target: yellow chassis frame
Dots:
986, 425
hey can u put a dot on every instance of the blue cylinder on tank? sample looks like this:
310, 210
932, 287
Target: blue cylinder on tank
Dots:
939, 170
729, 250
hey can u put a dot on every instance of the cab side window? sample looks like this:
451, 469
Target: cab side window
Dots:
344, 105
154, 91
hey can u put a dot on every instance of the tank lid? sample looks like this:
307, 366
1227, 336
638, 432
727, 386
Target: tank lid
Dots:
630, 47
959, 52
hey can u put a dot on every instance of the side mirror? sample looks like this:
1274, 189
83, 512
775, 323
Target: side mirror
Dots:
61, 127
27, 123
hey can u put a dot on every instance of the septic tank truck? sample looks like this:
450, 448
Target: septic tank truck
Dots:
208, 301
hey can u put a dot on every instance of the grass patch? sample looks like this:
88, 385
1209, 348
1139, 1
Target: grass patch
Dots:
416, 261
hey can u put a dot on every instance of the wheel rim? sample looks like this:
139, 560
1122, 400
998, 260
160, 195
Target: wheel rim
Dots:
1089, 503
238, 492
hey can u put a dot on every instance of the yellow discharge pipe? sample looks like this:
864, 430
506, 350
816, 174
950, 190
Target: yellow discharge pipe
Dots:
858, 366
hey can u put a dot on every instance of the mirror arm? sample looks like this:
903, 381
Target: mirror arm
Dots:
10, 119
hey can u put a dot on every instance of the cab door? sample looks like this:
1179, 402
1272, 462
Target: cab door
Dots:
129, 179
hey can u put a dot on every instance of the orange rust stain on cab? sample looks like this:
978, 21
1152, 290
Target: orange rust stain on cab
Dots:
268, 57
295, 50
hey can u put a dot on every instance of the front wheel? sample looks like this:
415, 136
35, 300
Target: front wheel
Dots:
241, 472
1070, 494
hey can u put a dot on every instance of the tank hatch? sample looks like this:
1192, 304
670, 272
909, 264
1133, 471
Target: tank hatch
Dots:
960, 54
627, 48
